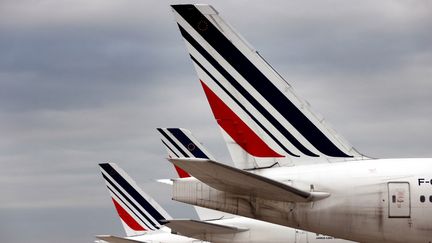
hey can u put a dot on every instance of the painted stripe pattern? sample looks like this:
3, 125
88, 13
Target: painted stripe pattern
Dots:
120, 196
247, 95
133, 206
199, 32
180, 141
185, 141
175, 145
125, 216
181, 173
239, 131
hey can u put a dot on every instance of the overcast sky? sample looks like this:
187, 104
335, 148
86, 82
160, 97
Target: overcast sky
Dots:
84, 82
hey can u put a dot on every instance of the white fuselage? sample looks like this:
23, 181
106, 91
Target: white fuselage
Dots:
361, 207
163, 237
259, 231
377, 200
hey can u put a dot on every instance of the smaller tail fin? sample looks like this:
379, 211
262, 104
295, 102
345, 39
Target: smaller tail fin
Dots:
138, 212
180, 142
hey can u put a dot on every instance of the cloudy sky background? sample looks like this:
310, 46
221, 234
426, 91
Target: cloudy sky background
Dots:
83, 82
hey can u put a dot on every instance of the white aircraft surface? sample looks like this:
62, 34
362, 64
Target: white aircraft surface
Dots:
180, 142
291, 168
144, 220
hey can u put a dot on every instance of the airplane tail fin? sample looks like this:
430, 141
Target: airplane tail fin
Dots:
262, 119
138, 212
181, 143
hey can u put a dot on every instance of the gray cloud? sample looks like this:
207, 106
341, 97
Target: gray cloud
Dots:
83, 82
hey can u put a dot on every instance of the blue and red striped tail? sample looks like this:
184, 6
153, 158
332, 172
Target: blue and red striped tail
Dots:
262, 119
138, 211
180, 143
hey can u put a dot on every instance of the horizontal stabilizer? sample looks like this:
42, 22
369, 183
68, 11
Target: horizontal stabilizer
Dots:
191, 228
116, 239
229, 179
165, 181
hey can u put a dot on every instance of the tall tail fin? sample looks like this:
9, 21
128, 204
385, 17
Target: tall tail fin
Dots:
138, 211
177, 140
262, 119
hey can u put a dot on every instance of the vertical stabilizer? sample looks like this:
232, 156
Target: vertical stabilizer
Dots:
138, 212
181, 143
263, 121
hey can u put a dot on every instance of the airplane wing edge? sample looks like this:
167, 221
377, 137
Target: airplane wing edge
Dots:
191, 228
226, 178
116, 239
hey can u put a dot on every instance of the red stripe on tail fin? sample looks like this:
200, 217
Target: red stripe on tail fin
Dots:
181, 173
236, 128
131, 222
